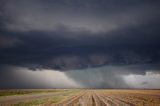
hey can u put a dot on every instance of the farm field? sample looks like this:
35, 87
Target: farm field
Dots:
85, 97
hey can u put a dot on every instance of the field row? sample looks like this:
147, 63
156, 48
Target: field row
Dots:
113, 98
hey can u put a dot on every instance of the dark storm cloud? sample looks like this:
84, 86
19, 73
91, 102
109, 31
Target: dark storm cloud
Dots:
92, 43
7, 41
39, 49
79, 34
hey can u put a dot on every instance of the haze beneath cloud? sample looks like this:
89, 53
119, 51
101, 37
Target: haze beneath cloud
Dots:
79, 43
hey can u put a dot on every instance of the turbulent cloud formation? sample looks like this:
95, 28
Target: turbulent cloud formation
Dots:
127, 76
76, 35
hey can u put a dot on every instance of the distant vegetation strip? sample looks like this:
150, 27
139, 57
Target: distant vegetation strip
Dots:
10, 92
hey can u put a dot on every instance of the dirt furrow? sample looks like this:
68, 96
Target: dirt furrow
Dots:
86, 99
98, 101
101, 98
119, 101
72, 101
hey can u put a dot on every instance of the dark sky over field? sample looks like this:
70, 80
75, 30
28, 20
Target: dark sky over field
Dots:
79, 44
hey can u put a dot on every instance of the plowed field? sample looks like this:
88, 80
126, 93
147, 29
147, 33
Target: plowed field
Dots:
114, 98
86, 97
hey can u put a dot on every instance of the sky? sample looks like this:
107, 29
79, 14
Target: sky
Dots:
80, 44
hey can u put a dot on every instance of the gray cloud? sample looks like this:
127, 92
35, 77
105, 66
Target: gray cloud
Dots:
8, 41
98, 78
149, 80
20, 77
115, 76
144, 83
46, 16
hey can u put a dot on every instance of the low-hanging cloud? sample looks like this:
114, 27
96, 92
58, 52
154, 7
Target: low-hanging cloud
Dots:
20, 77
149, 80
126, 76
